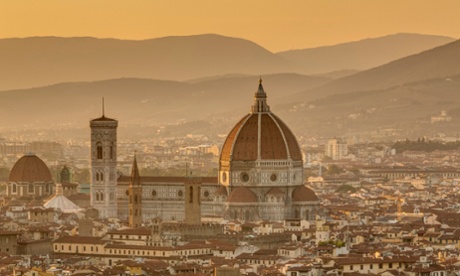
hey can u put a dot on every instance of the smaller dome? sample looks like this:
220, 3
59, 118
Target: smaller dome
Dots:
242, 195
303, 193
30, 168
275, 191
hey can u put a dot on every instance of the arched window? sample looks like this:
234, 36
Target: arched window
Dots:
97, 176
102, 196
15, 188
99, 150
31, 188
102, 176
191, 195
97, 196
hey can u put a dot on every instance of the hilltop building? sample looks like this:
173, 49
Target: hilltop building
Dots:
260, 177
336, 149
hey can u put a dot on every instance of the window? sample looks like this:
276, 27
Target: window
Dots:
14, 188
98, 150
380, 265
31, 188
191, 195
390, 265
361, 267
351, 267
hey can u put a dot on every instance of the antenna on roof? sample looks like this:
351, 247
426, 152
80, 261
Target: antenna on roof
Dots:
103, 111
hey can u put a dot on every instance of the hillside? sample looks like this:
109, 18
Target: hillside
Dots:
144, 101
406, 108
440, 62
363, 54
39, 61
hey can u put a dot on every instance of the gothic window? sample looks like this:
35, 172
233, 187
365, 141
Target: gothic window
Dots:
102, 196
102, 176
99, 150
111, 150
97, 196
191, 195
97, 176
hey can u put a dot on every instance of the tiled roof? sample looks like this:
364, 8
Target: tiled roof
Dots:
242, 195
303, 193
30, 168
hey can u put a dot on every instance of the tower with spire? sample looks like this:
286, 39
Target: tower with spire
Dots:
104, 165
135, 197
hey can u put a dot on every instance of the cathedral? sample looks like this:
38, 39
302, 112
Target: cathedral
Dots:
260, 177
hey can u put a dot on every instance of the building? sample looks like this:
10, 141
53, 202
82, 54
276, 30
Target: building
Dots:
336, 149
260, 176
104, 166
135, 197
30, 178
261, 168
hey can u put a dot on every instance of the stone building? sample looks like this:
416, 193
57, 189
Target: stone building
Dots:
261, 168
30, 178
260, 176
104, 166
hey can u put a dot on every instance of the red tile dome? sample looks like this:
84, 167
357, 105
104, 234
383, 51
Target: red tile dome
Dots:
303, 193
242, 195
30, 168
260, 132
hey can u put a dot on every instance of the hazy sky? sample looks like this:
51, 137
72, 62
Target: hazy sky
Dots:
274, 24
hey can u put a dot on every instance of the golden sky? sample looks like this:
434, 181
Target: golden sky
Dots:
274, 24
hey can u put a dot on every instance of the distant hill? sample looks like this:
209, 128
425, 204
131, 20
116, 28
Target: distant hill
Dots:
38, 61
440, 62
145, 101
363, 54
407, 108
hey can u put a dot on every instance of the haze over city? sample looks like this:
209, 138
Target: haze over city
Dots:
264, 137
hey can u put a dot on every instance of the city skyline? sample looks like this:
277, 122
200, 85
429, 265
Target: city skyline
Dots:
276, 25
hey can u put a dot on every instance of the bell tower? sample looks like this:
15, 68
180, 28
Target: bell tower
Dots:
104, 165
135, 197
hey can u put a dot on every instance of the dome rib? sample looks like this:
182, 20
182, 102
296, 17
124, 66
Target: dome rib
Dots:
227, 148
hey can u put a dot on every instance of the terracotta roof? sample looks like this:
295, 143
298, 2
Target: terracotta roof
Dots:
30, 168
80, 240
260, 132
275, 191
303, 193
242, 195
276, 140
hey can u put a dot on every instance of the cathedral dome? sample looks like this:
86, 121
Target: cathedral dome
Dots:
242, 195
31, 169
260, 135
303, 193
